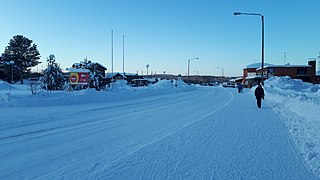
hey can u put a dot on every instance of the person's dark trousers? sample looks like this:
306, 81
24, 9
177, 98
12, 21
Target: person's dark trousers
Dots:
259, 102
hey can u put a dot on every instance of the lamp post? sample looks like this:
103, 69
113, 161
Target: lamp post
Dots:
262, 47
189, 64
147, 66
12, 63
221, 70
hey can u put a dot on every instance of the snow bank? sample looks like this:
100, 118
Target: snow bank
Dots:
299, 105
20, 96
5, 92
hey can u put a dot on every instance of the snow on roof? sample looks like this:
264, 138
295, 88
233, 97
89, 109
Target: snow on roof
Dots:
115, 73
109, 75
78, 64
101, 65
257, 65
253, 77
286, 66
239, 78
78, 70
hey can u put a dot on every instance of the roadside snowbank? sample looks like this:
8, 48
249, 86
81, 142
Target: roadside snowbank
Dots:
20, 96
299, 104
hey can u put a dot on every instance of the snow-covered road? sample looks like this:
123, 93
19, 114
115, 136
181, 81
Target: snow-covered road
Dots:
208, 133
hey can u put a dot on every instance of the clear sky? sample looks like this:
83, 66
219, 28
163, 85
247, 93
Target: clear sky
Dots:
166, 33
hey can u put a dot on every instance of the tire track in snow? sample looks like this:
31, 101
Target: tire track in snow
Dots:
104, 167
102, 164
99, 121
255, 148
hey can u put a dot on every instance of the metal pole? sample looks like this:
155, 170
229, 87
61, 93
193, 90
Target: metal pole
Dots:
147, 66
112, 57
123, 56
262, 61
112, 51
188, 66
262, 47
221, 70
12, 73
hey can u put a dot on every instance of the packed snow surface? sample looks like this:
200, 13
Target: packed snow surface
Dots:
161, 132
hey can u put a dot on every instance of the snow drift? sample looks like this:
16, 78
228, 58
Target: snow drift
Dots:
21, 96
299, 105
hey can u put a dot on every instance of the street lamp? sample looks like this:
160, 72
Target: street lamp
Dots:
221, 70
262, 47
189, 64
12, 63
147, 66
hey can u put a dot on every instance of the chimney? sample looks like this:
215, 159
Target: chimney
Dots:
312, 70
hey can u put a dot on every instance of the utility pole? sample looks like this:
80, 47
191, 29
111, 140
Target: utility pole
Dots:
111, 57
123, 55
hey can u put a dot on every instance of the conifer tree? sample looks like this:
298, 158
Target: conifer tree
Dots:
53, 76
23, 53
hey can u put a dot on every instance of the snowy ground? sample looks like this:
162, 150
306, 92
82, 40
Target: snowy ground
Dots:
161, 132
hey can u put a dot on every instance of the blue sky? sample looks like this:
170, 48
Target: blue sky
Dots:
166, 33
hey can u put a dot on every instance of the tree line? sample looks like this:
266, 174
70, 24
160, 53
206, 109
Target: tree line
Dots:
22, 54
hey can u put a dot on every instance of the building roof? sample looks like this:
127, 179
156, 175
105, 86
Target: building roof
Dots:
109, 75
238, 78
286, 66
254, 77
101, 65
257, 65
78, 70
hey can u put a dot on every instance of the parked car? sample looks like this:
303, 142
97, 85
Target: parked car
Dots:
229, 84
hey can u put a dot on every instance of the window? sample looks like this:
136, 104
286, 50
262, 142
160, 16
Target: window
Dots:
302, 71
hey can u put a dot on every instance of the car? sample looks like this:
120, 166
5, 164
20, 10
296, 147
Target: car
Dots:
229, 84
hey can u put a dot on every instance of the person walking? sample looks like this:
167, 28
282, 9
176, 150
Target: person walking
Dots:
259, 93
240, 88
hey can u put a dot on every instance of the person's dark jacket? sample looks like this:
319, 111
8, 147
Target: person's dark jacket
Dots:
259, 92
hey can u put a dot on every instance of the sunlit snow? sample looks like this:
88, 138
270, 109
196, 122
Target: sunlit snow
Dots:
161, 132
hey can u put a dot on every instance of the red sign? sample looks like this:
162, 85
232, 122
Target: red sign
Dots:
79, 78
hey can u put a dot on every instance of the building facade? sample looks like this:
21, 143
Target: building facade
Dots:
307, 73
252, 74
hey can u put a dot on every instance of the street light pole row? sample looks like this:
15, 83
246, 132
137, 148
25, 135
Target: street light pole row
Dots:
221, 70
189, 64
262, 46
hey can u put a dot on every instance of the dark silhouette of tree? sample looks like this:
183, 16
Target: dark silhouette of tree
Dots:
23, 53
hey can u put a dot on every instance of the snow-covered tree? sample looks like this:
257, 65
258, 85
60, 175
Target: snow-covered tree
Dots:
53, 77
22, 53
96, 78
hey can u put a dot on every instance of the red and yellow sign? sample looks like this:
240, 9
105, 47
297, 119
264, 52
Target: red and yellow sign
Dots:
79, 78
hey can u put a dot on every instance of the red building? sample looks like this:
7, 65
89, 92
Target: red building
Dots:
250, 77
306, 73
252, 73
